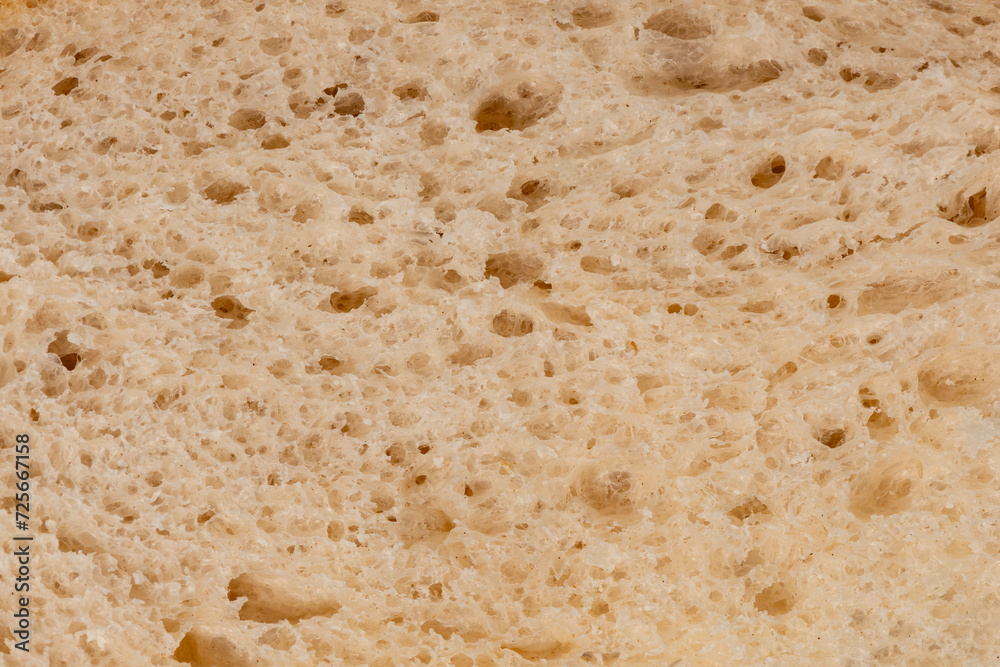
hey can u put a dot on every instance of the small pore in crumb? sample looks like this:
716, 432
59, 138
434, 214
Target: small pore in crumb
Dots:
345, 302
274, 142
776, 599
817, 57
247, 119
230, 308
785, 371
11, 40
592, 15
69, 355
66, 86
84, 55
223, 191
329, 364
518, 107
973, 211
360, 216
424, 17
769, 174
679, 24
748, 509
813, 13
886, 487
275, 46
410, 91
533, 192
608, 491
70, 360
832, 439
511, 268
509, 323
350, 104
828, 169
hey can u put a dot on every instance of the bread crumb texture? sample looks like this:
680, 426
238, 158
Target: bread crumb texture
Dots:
503, 333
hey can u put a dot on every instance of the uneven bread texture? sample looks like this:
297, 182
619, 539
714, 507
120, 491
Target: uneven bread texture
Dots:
512, 333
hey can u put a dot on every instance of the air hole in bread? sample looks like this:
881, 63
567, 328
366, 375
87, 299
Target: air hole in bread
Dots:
770, 174
679, 24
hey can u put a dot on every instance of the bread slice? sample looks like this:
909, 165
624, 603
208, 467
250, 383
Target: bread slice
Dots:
510, 333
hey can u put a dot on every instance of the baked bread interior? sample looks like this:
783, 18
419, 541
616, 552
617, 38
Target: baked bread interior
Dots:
503, 333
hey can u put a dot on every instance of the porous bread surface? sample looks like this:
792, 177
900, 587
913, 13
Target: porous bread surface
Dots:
503, 333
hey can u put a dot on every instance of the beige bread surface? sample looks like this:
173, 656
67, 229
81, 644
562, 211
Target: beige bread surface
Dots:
363, 333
